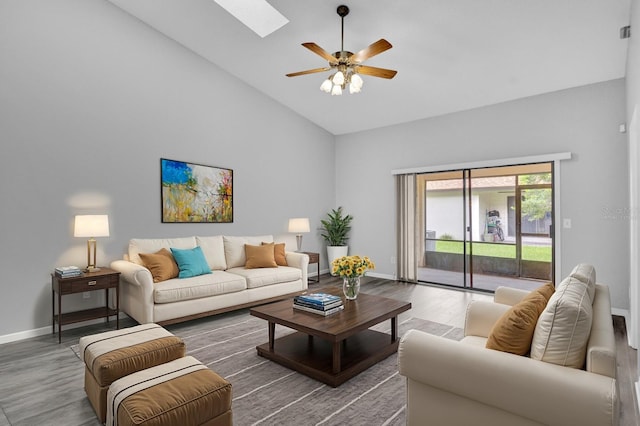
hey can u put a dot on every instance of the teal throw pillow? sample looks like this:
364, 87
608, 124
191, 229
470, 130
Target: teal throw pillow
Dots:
191, 262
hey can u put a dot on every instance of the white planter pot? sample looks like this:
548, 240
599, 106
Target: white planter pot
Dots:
334, 252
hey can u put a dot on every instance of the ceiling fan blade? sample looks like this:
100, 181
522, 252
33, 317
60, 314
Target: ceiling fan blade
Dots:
376, 72
372, 50
295, 74
321, 52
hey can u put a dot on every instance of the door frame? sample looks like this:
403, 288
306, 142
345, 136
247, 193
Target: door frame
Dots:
556, 158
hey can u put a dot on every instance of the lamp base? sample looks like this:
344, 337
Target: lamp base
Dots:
91, 269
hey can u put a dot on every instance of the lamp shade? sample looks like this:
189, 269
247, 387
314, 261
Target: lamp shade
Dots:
91, 225
299, 224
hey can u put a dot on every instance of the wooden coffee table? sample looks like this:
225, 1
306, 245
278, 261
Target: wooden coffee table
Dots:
335, 348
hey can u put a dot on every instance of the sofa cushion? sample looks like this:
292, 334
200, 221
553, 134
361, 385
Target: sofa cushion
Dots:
213, 249
191, 262
267, 276
260, 256
587, 274
213, 284
564, 326
234, 248
152, 245
161, 264
513, 332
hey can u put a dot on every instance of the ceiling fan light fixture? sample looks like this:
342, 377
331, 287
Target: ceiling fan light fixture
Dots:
356, 81
347, 64
326, 86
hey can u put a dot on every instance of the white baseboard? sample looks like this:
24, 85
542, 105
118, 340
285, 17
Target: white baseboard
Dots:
21, 335
27, 334
621, 313
384, 276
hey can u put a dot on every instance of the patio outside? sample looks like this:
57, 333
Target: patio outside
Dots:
508, 219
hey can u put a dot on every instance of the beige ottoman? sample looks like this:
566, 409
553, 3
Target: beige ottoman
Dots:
183, 392
115, 354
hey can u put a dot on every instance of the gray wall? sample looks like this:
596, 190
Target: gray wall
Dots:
594, 183
90, 100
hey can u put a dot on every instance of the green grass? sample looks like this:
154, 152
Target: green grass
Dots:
537, 253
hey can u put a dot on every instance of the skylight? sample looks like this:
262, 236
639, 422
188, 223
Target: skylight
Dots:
258, 15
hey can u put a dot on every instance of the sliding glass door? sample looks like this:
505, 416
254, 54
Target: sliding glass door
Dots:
487, 227
444, 230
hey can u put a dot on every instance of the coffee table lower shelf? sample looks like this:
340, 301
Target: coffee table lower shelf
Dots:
313, 356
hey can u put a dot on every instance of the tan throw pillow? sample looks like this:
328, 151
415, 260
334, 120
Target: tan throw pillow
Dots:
161, 264
513, 332
546, 290
259, 256
278, 253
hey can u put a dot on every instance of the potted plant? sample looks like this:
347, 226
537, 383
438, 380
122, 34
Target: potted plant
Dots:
335, 231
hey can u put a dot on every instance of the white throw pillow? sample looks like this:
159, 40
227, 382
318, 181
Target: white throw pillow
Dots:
213, 249
564, 327
587, 274
152, 245
234, 248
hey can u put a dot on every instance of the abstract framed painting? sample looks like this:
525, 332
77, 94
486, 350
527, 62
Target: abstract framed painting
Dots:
195, 193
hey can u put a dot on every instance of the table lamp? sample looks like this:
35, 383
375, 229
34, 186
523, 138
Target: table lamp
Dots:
91, 225
299, 225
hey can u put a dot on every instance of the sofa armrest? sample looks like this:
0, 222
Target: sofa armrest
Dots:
136, 290
300, 261
481, 316
542, 392
601, 348
509, 296
133, 273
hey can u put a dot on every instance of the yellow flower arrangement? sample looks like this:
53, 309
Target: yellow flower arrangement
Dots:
351, 266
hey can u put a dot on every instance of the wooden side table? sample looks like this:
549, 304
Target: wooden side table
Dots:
104, 279
314, 258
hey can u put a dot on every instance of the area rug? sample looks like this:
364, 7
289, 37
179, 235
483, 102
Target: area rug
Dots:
266, 393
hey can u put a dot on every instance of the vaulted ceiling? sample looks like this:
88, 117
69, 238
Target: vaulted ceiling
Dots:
451, 55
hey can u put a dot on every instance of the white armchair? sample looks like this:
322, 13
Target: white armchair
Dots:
463, 383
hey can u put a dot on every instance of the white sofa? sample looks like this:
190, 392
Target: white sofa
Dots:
230, 286
463, 383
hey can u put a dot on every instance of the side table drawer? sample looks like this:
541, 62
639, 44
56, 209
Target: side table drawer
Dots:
314, 257
80, 285
88, 284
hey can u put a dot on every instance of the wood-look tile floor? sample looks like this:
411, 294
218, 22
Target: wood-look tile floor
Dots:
41, 381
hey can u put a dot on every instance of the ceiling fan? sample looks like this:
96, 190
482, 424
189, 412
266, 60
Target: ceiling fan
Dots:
347, 64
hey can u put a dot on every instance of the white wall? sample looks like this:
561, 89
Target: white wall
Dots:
445, 215
583, 120
90, 100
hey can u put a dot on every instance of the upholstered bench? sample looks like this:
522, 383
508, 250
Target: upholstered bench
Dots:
114, 354
183, 392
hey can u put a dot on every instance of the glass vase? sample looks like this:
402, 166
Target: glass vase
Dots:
351, 287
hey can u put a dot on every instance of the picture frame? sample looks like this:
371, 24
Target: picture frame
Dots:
195, 193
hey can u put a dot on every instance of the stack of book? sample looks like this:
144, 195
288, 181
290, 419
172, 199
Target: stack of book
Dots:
68, 271
318, 303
